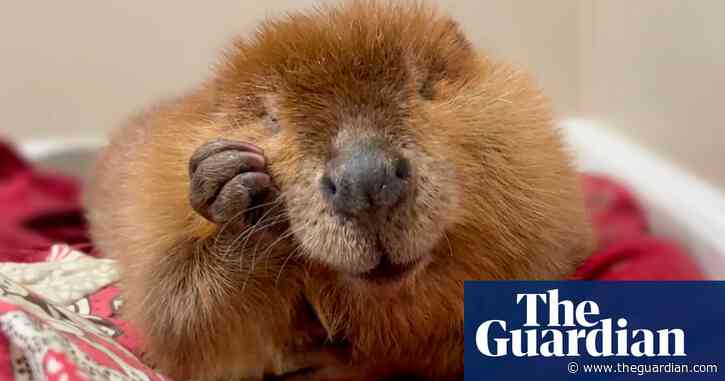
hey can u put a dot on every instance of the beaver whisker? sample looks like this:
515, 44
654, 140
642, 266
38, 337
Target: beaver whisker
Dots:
234, 220
260, 225
285, 235
292, 254
249, 231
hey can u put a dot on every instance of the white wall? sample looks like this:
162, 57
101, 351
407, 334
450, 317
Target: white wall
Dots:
77, 68
653, 69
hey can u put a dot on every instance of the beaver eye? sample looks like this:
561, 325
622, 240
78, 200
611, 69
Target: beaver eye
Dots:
271, 121
425, 88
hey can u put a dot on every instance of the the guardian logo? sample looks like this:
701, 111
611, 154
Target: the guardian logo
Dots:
571, 330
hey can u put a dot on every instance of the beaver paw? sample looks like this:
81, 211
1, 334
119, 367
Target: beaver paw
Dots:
227, 177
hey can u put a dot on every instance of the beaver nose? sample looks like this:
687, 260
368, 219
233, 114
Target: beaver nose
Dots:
365, 181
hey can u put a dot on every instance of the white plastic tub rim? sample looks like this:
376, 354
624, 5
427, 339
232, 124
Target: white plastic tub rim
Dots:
678, 205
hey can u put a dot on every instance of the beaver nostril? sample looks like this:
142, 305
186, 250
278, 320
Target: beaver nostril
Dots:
328, 186
402, 169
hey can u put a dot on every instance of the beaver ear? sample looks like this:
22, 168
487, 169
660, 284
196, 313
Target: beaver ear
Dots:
452, 30
449, 55
451, 50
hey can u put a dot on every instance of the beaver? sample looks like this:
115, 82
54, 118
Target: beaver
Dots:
319, 201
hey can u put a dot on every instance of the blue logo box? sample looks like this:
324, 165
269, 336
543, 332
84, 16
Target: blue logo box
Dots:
571, 330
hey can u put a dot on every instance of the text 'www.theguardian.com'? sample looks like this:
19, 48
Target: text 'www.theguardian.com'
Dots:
641, 369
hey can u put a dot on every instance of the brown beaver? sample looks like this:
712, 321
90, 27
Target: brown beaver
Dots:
333, 185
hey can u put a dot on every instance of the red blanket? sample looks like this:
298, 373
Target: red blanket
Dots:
87, 341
